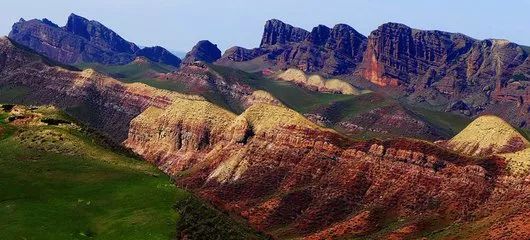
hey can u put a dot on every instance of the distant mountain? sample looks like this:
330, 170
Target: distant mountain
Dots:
445, 71
332, 51
82, 40
204, 51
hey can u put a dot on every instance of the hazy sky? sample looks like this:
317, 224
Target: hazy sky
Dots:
179, 24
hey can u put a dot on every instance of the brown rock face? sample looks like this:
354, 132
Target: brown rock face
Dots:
277, 32
447, 68
396, 52
276, 169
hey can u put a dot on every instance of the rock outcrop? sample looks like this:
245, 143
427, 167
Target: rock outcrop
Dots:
329, 51
491, 135
318, 83
488, 135
82, 40
278, 32
275, 168
203, 51
466, 75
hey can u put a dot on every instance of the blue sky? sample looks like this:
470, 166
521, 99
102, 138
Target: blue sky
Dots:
179, 24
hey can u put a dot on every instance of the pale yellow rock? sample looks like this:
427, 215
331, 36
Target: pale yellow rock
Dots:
485, 134
231, 169
260, 96
320, 83
294, 75
341, 86
316, 81
265, 116
493, 135
518, 162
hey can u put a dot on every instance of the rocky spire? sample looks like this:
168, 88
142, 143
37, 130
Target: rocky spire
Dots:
278, 32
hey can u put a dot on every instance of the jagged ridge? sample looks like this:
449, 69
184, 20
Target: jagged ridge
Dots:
82, 40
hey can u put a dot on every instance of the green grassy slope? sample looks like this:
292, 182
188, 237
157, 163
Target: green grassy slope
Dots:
57, 182
297, 98
138, 72
448, 123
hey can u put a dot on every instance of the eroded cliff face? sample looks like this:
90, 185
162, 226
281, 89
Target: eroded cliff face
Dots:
468, 76
276, 168
331, 51
396, 52
446, 71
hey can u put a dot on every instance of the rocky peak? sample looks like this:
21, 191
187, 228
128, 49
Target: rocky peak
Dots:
204, 51
278, 32
78, 25
395, 51
319, 35
46, 21
83, 40
97, 32
488, 135
444, 68
347, 41
323, 50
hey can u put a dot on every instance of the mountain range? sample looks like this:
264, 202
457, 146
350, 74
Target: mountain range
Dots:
445, 71
289, 158
82, 40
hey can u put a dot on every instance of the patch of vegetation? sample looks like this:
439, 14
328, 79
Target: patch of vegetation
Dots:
53, 121
200, 221
11, 94
7, 107
58, 182
449, 124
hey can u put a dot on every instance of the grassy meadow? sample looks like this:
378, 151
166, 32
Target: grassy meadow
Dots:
59, 182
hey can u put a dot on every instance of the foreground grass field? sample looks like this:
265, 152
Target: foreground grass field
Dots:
58, 182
